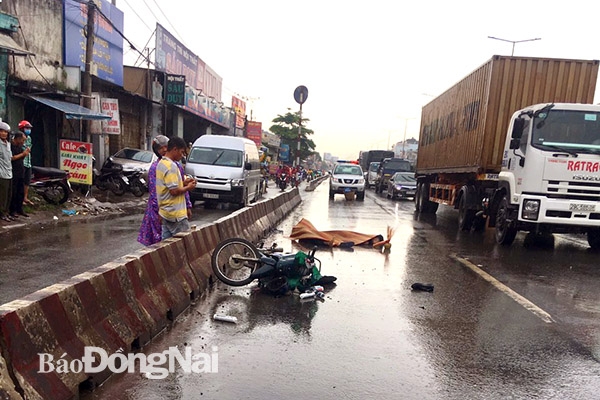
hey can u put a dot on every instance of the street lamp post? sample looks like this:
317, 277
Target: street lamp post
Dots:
404, 140
513, 42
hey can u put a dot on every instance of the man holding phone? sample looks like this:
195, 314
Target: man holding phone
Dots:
171, 190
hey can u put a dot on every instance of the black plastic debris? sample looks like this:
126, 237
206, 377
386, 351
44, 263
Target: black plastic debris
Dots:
422, 287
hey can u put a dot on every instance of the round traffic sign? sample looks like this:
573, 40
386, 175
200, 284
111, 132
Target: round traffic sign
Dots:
300, 94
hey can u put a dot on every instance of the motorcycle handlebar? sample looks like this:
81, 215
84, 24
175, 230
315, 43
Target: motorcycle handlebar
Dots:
311, 254
272, 250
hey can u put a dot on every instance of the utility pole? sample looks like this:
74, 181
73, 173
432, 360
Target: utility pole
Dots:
87, 75
299, 136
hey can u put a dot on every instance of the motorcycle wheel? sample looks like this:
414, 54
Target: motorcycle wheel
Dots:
117, 186
56, 193
100, 184
234, 260
137, 188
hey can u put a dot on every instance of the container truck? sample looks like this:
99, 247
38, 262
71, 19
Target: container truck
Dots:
369, 156
515, 146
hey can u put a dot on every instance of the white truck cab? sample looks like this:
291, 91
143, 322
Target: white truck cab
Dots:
550, 177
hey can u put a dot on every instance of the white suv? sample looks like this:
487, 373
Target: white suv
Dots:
345, 178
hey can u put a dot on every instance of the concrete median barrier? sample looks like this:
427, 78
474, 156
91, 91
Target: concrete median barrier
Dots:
262, 217
199, 245
7, 387
312, 185
117, 307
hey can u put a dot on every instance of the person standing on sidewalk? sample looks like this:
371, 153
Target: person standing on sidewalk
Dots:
150, 230
25, 127
5, 172
19, 152
171, 189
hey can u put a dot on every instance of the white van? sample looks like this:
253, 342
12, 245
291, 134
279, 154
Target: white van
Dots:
227, 170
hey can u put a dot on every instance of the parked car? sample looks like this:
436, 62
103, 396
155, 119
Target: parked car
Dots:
402, 185
345, 178
131, 159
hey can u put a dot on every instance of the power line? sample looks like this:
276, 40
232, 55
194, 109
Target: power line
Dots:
172, 26
121, 34
145, 47
140, 18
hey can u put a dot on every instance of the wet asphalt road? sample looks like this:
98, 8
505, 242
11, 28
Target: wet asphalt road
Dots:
374, 338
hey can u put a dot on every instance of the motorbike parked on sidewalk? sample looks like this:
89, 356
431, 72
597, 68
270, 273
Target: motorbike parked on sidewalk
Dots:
51, 183
136, 183
110, 177
238, 262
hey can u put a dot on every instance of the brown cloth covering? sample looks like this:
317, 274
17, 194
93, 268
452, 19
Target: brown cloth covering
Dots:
304, 230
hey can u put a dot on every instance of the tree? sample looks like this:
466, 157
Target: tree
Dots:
286, 127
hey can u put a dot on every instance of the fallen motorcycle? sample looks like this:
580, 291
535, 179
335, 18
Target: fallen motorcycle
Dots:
237, 262
51, 183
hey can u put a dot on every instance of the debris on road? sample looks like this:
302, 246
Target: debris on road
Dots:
225, 318
386, 243
422, 287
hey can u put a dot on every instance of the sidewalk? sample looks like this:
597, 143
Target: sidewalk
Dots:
99, 204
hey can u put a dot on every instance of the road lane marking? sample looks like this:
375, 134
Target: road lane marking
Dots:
528, 305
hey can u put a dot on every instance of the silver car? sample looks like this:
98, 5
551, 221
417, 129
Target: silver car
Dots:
132, 159
402, 185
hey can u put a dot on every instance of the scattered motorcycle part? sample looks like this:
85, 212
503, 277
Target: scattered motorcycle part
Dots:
225, 318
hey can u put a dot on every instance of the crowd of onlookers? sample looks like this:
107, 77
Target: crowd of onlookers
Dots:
15, 170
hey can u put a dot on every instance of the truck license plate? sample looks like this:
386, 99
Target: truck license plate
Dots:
582, 207
210, 196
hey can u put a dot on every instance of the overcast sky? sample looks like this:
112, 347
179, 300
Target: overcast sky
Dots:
369, 66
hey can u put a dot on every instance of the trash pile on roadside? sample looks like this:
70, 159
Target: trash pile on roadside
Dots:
77, 206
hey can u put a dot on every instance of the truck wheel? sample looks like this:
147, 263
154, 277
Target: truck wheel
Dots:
360, 196
431, 207
479, 224
424, 206
505, 234
418, 199
593, 238
465, 216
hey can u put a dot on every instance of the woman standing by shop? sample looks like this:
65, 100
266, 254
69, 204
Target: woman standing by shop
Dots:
150, 231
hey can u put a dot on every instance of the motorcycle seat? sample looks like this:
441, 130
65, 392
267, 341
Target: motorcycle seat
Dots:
48, 172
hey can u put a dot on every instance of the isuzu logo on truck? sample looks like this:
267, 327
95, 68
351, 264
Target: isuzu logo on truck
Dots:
585, 166
586, 178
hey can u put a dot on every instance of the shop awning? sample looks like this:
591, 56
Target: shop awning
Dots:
71, 110
8, 45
